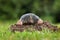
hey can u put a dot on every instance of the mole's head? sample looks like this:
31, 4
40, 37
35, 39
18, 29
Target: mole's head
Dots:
31, 19
28, 19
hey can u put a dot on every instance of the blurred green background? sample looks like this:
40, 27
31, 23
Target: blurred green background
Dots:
46, 9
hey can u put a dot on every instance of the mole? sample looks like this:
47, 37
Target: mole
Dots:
29, 18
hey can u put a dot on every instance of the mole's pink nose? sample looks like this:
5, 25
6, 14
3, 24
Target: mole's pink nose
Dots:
19, 22
40, 21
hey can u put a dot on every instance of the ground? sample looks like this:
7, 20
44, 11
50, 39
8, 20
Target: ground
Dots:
6, 34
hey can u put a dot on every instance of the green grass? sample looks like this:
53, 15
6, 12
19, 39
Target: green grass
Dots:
6, 34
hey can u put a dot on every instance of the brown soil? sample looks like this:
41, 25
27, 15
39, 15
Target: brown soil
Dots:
32, 27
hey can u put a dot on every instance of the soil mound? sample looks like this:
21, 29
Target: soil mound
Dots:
32, 27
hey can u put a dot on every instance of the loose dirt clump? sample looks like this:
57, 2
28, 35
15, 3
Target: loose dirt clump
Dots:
32, 27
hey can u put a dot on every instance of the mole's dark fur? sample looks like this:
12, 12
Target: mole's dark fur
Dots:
30, 16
